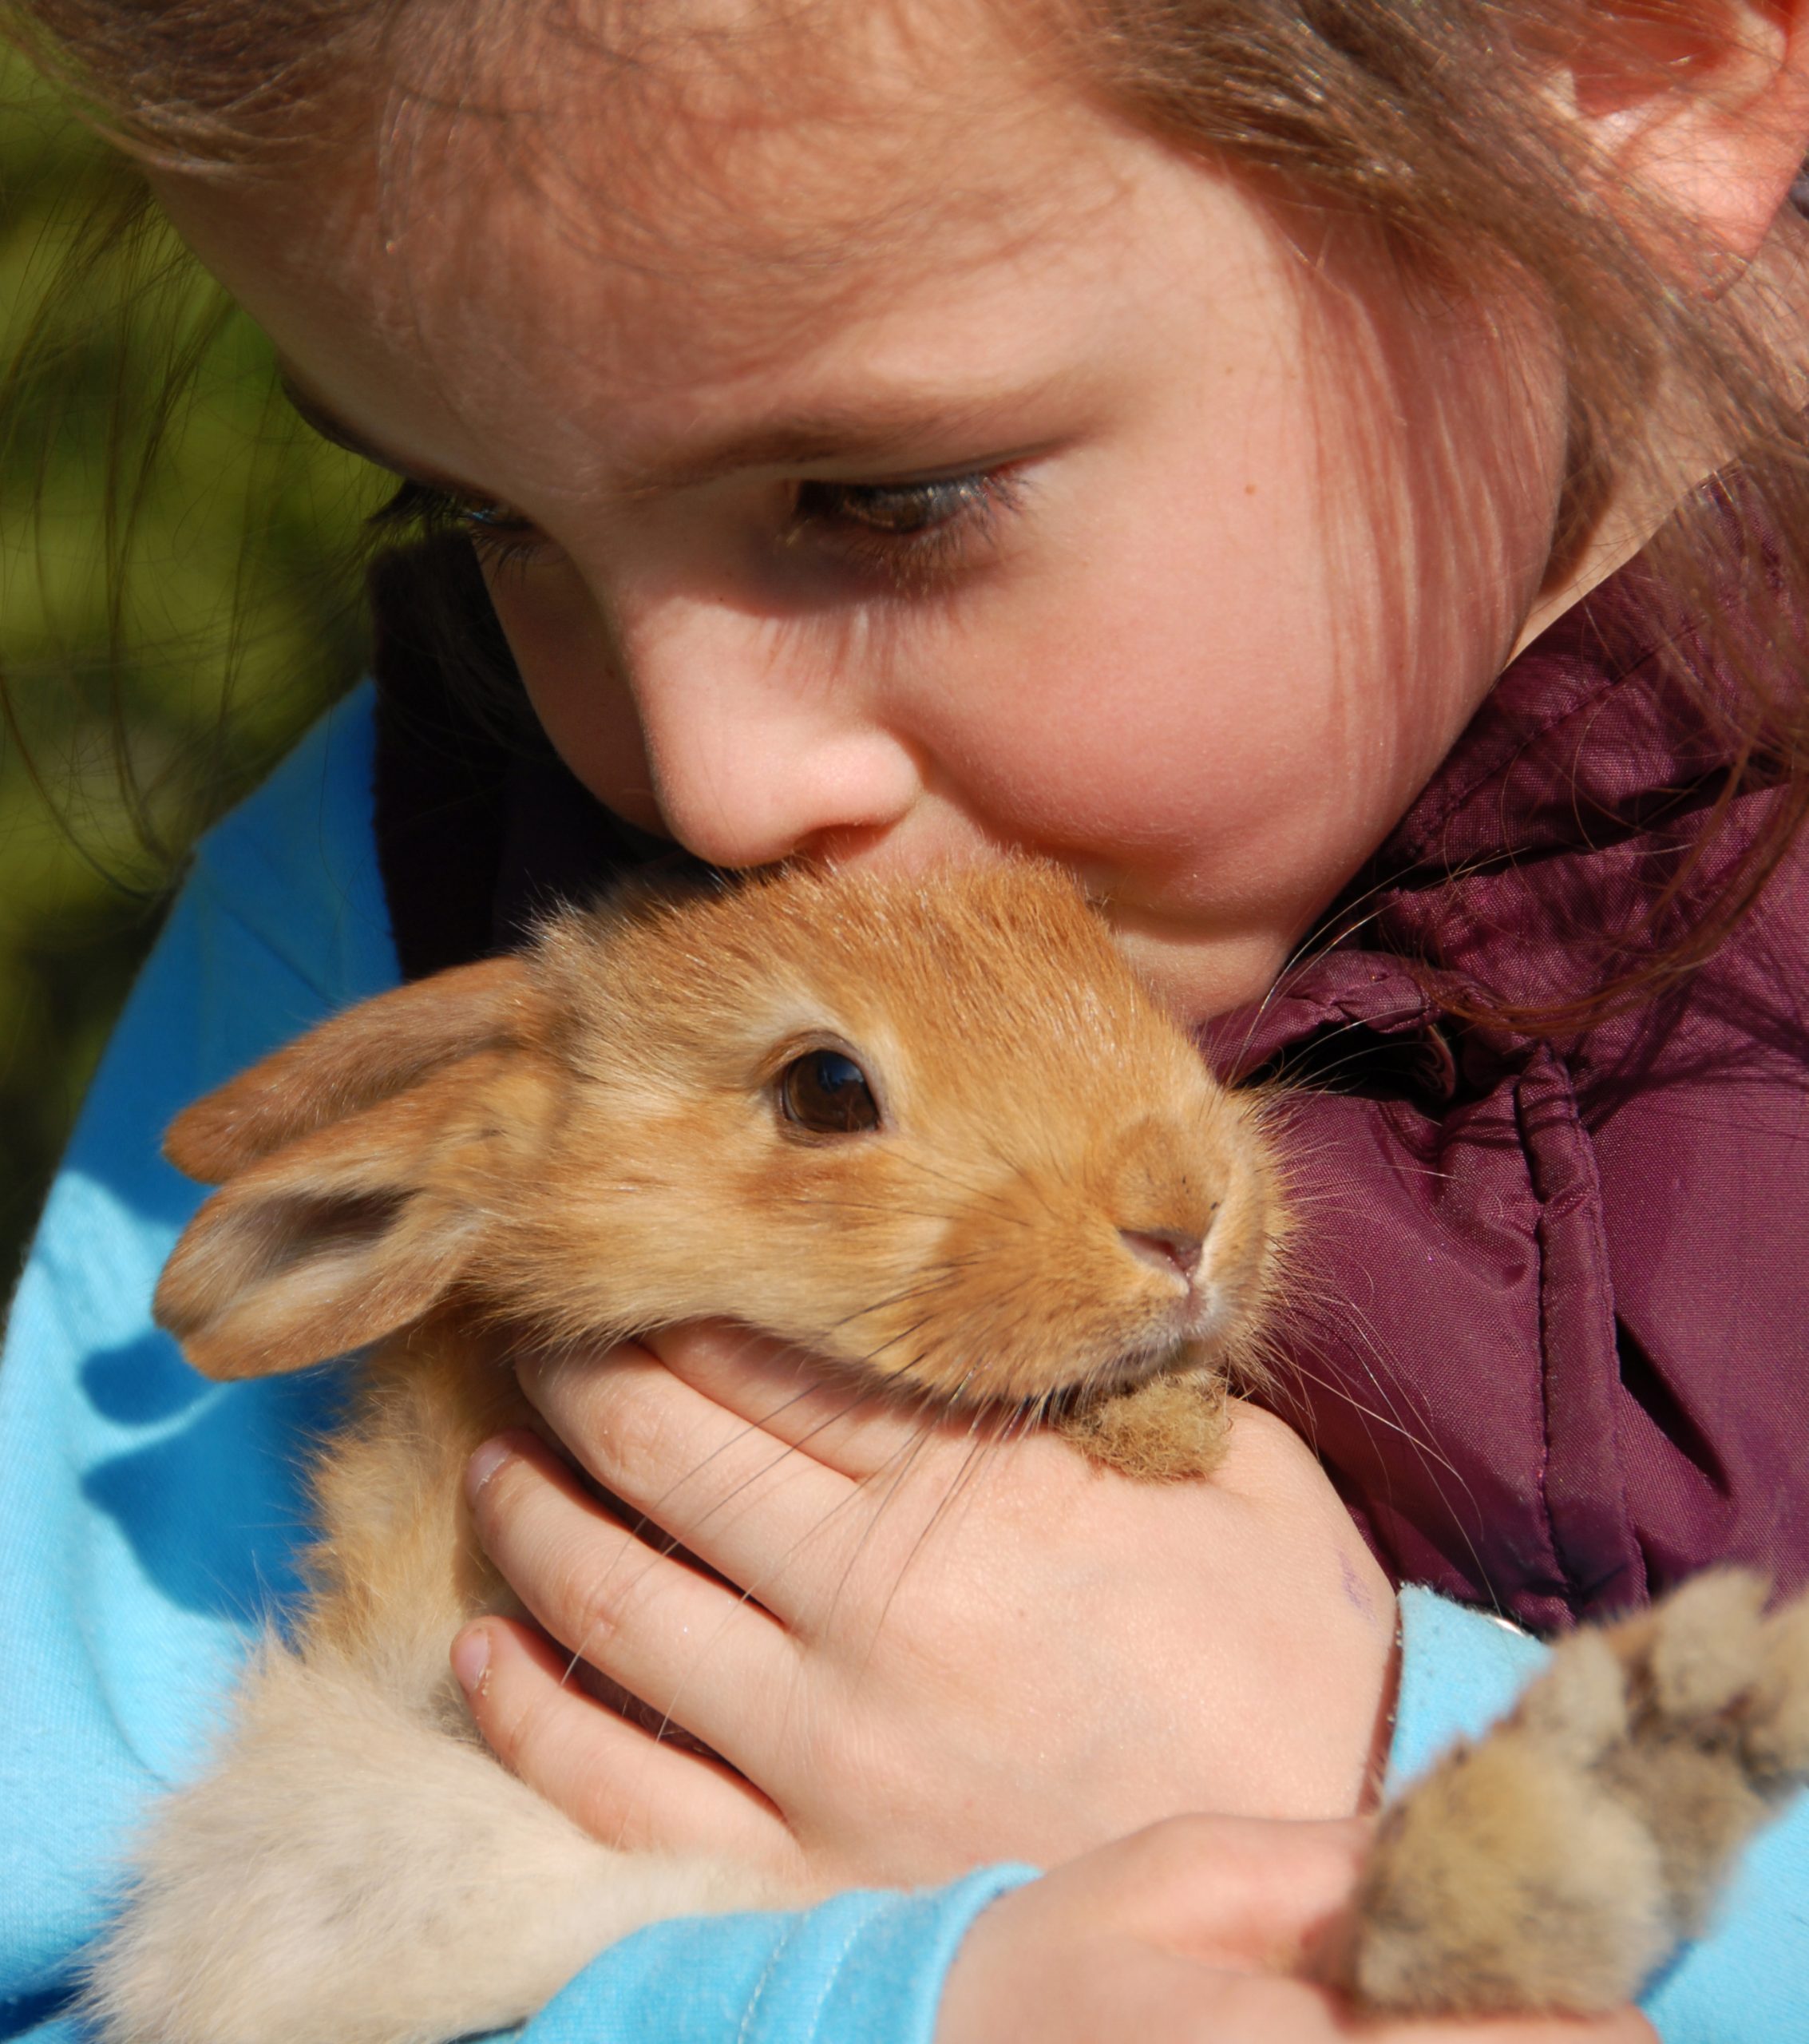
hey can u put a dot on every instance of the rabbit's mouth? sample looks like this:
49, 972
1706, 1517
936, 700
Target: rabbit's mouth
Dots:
1199, 1334
1130, 1367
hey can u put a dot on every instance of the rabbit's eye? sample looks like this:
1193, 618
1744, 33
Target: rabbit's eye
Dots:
827, 1094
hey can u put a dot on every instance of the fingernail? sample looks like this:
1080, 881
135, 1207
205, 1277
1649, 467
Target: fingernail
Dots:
483, 1465
471, 1660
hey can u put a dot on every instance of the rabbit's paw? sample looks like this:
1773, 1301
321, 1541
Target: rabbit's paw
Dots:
1510, 1877
1164, 1430
1555, 1864
1718, 1726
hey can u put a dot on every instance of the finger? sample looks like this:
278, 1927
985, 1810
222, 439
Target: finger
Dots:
730, 1494
768, 1517
848, 1426
1240, 1892
621, 1784
694, 1648
1624, 2026
1251, 1899
1035, 1966
1243, 2008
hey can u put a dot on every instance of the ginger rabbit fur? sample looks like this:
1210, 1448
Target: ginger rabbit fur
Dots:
934, 1132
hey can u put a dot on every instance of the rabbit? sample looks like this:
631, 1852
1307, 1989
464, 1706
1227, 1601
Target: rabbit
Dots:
932, 1131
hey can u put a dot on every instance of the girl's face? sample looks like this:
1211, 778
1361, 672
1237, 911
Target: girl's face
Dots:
921, 463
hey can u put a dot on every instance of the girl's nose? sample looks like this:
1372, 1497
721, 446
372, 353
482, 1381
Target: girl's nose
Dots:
758, 750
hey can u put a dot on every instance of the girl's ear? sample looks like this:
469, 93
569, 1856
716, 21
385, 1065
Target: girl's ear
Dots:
361, 1164
378, 1048
1704, 106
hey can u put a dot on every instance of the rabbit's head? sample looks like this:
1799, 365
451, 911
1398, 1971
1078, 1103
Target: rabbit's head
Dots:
932, 1130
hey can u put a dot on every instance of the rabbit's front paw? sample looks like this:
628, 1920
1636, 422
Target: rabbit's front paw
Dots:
1556, 1863
1164, 1430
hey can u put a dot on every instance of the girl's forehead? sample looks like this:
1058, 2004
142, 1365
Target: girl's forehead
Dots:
718, 130
737, 178
807, 147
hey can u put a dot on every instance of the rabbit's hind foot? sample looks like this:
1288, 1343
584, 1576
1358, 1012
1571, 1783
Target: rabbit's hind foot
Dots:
1555, 1864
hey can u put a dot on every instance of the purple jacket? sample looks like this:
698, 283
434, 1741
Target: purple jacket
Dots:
1553, 1339
1556, 1352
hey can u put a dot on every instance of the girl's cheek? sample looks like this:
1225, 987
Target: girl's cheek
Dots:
570, 667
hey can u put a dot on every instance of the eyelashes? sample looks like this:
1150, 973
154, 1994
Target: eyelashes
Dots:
912, 534
420, 510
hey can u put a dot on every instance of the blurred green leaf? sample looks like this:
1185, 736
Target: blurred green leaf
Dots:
178, 597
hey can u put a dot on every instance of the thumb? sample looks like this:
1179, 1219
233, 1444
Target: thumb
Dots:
1245, 1894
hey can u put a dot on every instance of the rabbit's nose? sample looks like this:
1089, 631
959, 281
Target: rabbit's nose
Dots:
1170, 1252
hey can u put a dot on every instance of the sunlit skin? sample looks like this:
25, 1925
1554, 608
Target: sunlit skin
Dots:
1104, 509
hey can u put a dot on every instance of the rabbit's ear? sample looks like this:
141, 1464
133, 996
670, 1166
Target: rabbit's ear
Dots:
357, 1229
372, 1051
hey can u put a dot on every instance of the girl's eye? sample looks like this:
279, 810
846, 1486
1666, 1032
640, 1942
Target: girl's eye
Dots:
912, 531
419, 510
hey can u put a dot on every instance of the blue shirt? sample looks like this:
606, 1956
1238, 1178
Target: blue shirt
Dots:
148, 1518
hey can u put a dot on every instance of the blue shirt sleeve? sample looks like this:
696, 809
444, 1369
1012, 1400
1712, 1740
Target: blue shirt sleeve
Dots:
146, 1516
864, 1968
1747, 1981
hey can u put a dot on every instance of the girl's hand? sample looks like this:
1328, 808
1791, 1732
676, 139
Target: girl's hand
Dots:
1187, 1933
923, 1646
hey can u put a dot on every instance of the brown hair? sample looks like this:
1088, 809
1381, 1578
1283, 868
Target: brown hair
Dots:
1428, 122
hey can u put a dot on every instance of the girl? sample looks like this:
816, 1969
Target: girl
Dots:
1255, 454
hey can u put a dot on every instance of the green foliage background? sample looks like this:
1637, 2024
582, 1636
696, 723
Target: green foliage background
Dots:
179, 595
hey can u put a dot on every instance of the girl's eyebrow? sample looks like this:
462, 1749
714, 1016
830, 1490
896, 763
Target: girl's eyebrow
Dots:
888, 428
885, 429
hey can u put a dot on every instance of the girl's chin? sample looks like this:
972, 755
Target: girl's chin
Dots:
1197, 973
